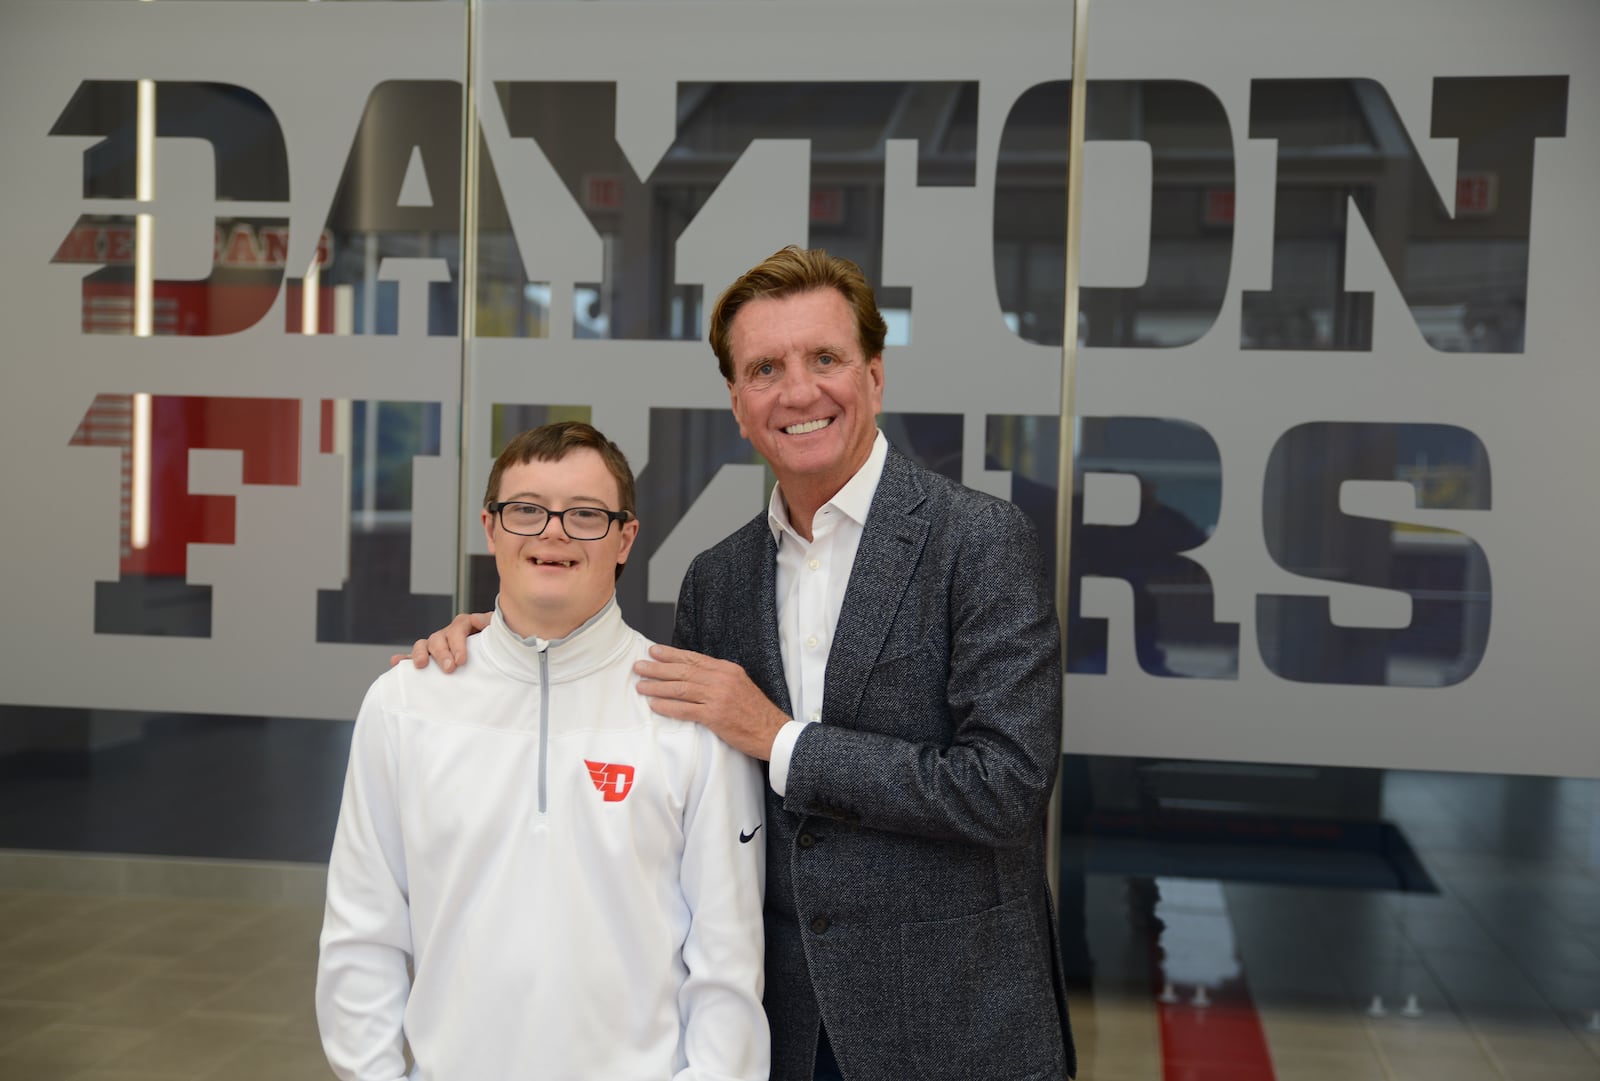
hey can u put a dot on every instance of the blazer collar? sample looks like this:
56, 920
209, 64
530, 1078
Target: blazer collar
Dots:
854, 500
765, 664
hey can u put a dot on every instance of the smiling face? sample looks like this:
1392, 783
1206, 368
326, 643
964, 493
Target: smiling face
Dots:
551, 584
803, 392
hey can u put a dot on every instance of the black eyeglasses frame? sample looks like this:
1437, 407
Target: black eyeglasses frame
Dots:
554, 515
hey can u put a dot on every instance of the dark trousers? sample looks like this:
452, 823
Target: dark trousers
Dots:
827, 1068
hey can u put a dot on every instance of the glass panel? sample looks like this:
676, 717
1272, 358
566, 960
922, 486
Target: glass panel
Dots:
238, 290
1190, 207
1444, 573
235, 311
1461, 265
645, 197
135, 123
160, 517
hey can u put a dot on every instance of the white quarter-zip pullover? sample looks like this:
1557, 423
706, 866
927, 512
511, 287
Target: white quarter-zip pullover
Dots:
574, 879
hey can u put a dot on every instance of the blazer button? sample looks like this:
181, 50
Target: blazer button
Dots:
820, 925
806, 840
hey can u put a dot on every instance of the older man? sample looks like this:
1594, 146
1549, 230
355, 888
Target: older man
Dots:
884, 638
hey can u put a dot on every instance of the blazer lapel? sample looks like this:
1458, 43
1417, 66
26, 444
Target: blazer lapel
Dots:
764, 659
891, 546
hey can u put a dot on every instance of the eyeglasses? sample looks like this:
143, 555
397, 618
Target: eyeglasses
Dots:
579, 523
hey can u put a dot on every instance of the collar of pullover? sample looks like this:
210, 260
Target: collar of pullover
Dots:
594, 644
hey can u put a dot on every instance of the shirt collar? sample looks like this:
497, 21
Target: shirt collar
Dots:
854, 500
589, 647
536, 643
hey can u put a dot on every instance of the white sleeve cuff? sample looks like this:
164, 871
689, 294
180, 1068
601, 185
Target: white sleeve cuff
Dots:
782, 751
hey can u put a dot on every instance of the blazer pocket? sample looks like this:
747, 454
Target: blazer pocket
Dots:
914, 661
905, 697
978, 1001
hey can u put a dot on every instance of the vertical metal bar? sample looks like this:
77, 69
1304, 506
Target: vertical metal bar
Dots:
144, 191
468, 277
1066, 460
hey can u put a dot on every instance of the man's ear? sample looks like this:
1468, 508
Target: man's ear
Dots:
488, 527
733, 400
630, 533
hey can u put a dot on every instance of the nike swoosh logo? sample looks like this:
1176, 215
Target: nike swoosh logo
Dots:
745, 838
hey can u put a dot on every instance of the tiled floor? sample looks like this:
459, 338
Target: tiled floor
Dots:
97, 988
1494, 978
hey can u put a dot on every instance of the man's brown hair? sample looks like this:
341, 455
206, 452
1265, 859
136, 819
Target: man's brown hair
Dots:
553, 442
785, 273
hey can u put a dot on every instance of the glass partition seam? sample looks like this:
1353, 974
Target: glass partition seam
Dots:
468, 277
1066, 461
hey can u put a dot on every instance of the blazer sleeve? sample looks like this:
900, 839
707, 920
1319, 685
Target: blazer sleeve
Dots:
982, 772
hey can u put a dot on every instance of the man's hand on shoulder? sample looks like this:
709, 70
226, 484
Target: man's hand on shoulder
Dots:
690, 686
448, 646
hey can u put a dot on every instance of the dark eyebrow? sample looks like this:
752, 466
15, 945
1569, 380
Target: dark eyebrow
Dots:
535, 497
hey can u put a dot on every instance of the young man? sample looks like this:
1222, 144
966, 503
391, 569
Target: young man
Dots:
573, 880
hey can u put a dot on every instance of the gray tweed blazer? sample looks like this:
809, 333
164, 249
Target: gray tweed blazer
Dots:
906, 903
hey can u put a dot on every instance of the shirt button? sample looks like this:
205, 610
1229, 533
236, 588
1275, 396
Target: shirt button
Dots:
814, 564
820, 925
811, 643
806, 840
816, 715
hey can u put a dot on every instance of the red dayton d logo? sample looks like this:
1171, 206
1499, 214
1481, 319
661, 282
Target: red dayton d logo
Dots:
613, 780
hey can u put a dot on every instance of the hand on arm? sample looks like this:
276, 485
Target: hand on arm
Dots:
718, 694
447, 646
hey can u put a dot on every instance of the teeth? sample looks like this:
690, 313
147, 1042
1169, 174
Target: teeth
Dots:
809, 426
553, 562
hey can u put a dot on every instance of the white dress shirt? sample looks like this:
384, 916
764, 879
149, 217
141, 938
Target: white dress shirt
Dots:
812, 576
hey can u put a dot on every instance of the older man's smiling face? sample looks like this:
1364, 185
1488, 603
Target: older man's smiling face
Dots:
803, 393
